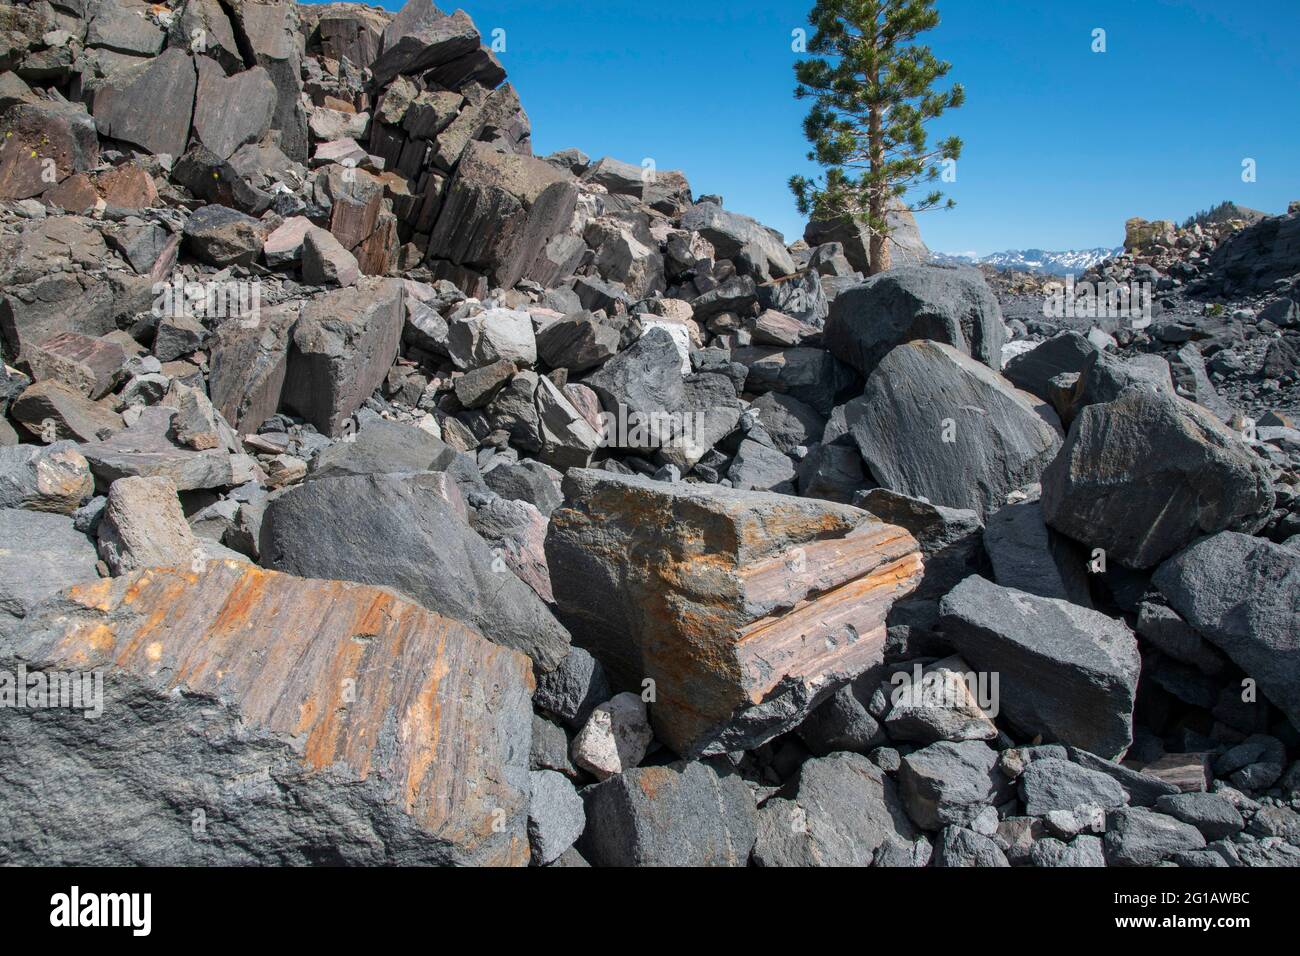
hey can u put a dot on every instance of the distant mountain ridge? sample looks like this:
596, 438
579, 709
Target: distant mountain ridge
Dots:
1074, 262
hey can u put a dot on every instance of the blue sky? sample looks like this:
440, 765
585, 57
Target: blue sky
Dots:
1062, 144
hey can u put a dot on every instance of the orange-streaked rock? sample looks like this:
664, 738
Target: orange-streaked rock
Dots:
745, 608
419, 724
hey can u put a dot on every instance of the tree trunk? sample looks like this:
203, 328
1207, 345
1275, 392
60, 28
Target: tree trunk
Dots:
881, 258
876, 202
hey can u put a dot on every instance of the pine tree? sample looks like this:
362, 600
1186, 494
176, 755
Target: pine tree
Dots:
873, 92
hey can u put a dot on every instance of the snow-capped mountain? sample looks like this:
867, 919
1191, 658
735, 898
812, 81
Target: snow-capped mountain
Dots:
1074, 262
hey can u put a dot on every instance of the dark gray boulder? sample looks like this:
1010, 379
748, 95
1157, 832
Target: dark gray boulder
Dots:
1242, 594
937, 424
1051, 784
950, 783
939, 303
556, 816
960, 847
577, 342
1143, 789
1034, 370
644, 379
844, 810
843, 722
41, 555
222, 237
1211, 813
789, 422
529, 481
382, 448
685, 814
1067, 673
1136, 836
427, 552
1146, 474
343, 346
575, 688
1029, 556
759, 467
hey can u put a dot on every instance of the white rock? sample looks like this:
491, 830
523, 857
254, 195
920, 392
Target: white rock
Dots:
615, 737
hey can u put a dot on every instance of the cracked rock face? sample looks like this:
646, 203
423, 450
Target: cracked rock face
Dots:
745, 609
251, 717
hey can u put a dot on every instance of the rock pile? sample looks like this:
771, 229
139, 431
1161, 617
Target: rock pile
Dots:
384, 493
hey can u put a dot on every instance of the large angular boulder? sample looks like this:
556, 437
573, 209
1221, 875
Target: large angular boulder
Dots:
1146, 474
343, 346
219, 127
221, 236
949, 783
492, 336
92, 366
1242, 594
499, 212
149, 105
257, 718
1065, 353
730, 233
745, 609
681, 815
936, 424
639, 383
421, 38
844, 811
577, 342
424, 549
942, 304
270, 36
50, 407
1066, 673
247, 362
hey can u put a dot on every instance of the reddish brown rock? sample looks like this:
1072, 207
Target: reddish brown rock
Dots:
745, 609
128, 186
42, 144
90, 366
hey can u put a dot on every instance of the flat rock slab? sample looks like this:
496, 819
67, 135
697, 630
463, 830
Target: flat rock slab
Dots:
149, 448
745, 608
309, 721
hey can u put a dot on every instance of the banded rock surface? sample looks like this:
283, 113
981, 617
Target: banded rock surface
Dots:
746, 609
309, 721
